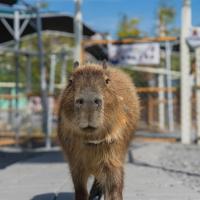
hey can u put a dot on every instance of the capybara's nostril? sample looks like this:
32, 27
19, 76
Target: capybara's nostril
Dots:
80, 101
98, 101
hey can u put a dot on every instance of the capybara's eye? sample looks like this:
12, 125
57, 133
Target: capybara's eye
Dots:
70, 82
107, 80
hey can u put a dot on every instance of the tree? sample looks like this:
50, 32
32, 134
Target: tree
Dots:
166, 16
128, 28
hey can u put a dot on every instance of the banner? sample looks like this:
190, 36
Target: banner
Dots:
135, 54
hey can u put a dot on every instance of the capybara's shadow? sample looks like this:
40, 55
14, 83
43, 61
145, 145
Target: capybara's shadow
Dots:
53, 196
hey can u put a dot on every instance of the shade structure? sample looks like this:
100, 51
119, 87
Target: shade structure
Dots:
51, 22
9, 2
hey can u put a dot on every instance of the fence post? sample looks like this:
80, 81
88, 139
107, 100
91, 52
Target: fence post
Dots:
161, 98
63, 74
197, 52
150, 110
50, 98
52, 73
28, 74
78, 29
169, 85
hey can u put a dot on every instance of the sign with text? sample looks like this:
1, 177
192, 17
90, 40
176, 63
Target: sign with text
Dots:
135, 54
194, 38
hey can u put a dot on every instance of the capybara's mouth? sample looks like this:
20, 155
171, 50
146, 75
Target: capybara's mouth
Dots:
89, 129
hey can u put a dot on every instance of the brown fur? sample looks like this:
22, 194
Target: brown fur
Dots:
120, 115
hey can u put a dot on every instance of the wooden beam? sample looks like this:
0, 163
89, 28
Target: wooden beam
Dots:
8, 96
155, 89
128, 41
7, 141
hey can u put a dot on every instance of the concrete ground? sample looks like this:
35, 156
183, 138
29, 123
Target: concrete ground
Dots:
43, 175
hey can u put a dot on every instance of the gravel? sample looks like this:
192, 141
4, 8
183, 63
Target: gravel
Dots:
182, 162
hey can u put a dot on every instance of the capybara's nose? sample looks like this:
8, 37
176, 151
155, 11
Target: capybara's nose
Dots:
97, 102
79, 101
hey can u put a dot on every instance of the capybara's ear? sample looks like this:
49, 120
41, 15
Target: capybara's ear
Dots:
76, 64
104, 64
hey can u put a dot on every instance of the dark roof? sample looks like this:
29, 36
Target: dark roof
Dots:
54, 22
8, 2
98, 51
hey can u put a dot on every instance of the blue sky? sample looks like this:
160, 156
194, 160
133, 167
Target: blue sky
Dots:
104, 15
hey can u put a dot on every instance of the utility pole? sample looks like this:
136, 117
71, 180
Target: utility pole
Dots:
17, 40
185, 71
43, 84
161, 80
78, 30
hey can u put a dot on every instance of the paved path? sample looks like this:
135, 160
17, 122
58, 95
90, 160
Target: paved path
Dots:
44, 175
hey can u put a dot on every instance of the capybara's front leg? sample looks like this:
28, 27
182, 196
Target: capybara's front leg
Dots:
80, 185
114, 185
96, 191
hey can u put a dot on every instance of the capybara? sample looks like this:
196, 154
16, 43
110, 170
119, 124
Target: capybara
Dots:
98, 113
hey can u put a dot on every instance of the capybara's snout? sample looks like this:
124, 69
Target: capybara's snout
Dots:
89, 108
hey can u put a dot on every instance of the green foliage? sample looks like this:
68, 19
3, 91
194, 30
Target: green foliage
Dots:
166, 16
7, 72
139, 78
129, 28
51, 43
43, 5
175, 62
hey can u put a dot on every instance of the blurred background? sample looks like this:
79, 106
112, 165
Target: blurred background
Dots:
155, 42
